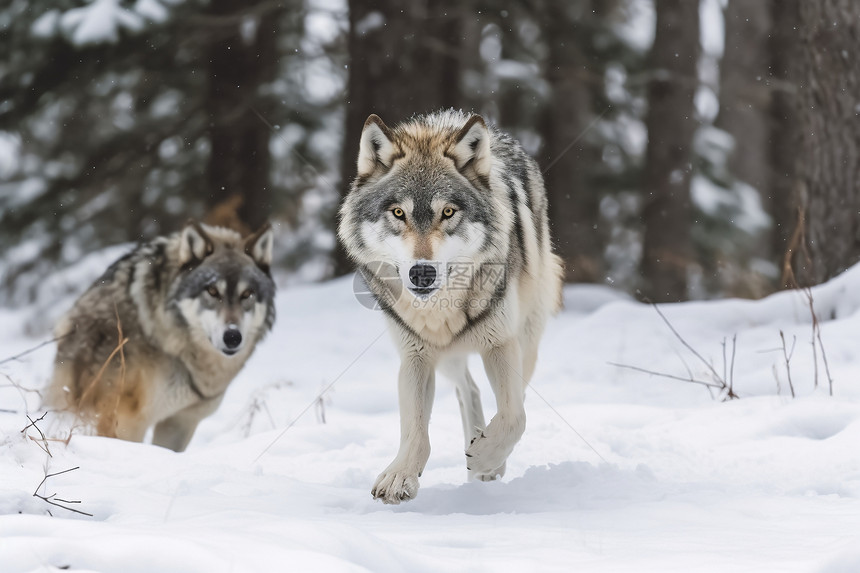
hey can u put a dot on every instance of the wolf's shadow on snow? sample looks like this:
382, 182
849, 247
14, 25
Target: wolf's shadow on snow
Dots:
568, 485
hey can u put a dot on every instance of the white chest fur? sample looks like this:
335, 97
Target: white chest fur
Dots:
437, 318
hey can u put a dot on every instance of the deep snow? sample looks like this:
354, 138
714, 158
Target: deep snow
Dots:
617, 471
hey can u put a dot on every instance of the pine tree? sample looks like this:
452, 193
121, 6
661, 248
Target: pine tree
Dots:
134, 117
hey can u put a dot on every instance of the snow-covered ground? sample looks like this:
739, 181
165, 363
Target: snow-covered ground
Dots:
618, 470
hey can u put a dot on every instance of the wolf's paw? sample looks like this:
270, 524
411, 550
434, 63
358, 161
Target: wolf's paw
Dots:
395, 485
485, 457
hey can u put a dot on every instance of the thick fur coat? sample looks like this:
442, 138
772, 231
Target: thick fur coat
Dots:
160, 335
447, 222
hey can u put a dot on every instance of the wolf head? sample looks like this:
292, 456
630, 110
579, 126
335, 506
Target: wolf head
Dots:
224, 291
422, 202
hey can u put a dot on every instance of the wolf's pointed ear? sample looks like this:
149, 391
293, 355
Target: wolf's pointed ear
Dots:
258, 246
194, 243
472, 146
375, 148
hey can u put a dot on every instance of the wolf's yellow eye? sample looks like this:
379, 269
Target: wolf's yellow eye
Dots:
398, 212
246, 294
213, 292
448, 212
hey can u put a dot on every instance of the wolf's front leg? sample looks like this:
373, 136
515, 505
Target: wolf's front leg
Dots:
415, 387
176, 431
486, 456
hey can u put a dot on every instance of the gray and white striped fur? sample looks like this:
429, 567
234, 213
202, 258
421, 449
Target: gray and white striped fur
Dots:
192, 306
441, 205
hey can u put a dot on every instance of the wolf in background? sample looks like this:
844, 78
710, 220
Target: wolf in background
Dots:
456, 212
192, 307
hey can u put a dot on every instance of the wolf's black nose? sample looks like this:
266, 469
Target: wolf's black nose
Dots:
232, 338
422, 276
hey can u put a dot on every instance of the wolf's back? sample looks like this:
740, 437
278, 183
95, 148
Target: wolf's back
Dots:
109, 312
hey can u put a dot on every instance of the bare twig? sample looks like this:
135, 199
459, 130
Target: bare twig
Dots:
787, 354
670, 376
817, 342
813, 341
719, 382
687, 345
684, 362
53, 499
42, 442
21, 389
34, 349
732, 368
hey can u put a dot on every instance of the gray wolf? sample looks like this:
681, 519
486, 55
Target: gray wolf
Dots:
447, 222
191, 307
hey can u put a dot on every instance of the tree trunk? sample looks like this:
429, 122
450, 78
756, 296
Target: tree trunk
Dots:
402, 62
567, 155
784, 148
242, 57
745, 95
671, 124
745, 105
828, 170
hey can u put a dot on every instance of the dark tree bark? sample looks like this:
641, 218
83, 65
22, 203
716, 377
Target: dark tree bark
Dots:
242, 58
671, 124
567, 154
745, 108
745, 94
828, 167
403, 61
785, 138
472, 68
